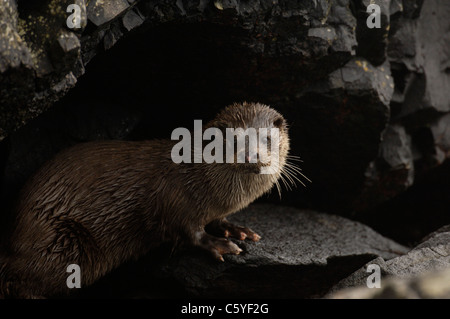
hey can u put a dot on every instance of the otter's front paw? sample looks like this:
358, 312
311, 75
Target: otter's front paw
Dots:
224, 228
218, 246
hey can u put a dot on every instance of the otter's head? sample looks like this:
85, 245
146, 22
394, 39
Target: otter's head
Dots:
256, 138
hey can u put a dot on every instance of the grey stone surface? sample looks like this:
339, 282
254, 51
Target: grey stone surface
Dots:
393, 170
100, 12
372, 42
441, 138
13, 50
417, 49
432, 285
132, 20
38, 60
302, 237
430, 256
359, 76
300, 254
15, 57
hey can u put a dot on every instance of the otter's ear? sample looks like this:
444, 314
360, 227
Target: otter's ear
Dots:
279, 122
222, 127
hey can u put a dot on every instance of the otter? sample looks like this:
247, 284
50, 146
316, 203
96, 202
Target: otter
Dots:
101, 203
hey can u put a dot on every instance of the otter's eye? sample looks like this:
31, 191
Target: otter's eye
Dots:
278, 122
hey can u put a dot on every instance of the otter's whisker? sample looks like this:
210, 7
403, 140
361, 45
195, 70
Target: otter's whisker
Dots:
287, 174
286, 184
296, 178
304, 176
291, 176
278, 188
297, 170
293, 165
294, 171
294, 158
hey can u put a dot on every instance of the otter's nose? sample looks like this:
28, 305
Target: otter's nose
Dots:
251, 157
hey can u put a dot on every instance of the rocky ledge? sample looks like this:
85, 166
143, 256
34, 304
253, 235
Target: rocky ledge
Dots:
424, 272
302, 254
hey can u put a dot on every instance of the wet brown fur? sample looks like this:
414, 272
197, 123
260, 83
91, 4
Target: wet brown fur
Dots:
101, 203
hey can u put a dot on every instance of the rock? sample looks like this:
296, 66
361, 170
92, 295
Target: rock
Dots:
418, 42
392, 172
68, 42
66, 52
421, 209
433, 55
38, 60
132, 20
397, 149
15, 67
441, 139
420, 100
426, 286
431, 256
112, 36
354, 96
372, 42
301, 252
100, 12
13, 50
358, 77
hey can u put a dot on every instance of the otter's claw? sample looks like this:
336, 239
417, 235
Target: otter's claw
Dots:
228, 230
219, 246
